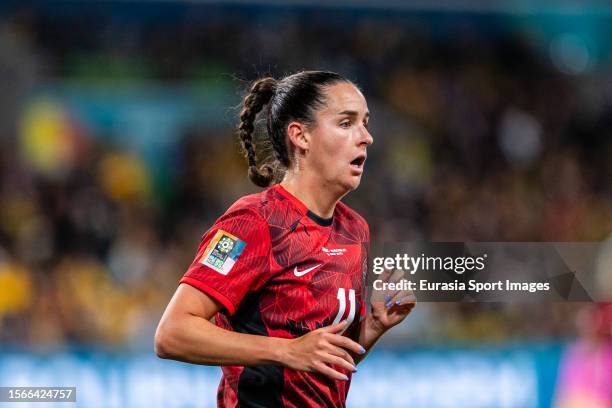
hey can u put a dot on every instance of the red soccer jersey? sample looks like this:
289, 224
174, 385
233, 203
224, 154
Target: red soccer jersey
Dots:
279, 270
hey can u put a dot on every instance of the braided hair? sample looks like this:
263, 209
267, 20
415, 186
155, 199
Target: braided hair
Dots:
294, 98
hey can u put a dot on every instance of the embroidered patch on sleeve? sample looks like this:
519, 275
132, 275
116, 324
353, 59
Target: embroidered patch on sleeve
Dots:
222, 252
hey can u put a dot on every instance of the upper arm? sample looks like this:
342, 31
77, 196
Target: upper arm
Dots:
189, 301
232, 259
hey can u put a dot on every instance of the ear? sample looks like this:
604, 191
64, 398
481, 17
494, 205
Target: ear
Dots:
298, 135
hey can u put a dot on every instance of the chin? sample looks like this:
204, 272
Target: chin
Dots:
353, 183
344, 185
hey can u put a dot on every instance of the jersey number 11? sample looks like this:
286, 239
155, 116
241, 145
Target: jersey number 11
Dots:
342, 308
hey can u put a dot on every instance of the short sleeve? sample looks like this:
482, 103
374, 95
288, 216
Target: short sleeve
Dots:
232, 259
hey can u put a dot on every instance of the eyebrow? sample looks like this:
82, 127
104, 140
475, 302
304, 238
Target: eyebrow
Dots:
353, 113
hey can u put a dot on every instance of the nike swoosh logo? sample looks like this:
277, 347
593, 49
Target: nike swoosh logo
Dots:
305, 271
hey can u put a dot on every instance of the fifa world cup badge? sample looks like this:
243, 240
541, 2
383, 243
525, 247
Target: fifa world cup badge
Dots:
222, 252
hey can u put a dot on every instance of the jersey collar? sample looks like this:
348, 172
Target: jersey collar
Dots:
324, 222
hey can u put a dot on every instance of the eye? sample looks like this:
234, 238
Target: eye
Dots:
366, 124
345, 124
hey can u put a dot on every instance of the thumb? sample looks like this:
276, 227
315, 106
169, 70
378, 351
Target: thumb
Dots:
334, 328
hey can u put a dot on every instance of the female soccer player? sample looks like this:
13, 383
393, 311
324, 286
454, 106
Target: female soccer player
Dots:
283, 271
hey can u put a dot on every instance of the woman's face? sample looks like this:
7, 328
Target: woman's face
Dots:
340, 137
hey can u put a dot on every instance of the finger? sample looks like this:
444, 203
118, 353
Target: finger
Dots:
388, 276
330, 372
340, 352
405, 308
401, 310
396, 276
406, 297
401, 296
392, 295
400, 304
329, 359
392, 275
347, 344
385, 275
334, 328
381, 295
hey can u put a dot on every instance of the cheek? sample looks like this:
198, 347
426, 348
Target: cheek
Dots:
331, 147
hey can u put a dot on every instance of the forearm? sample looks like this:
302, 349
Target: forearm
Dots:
370, 331
193, 339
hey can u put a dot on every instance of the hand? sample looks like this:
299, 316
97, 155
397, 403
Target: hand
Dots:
390, 307
315, 351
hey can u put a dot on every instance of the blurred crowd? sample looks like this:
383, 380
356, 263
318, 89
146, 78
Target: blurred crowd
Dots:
478, 137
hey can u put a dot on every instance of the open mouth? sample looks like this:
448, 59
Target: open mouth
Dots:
357, 163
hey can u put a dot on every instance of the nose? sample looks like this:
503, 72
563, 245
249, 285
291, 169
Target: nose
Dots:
366, 137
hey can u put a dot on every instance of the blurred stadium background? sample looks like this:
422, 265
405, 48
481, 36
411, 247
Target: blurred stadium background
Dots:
492, 122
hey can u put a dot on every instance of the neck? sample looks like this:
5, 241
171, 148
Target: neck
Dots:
312, 191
